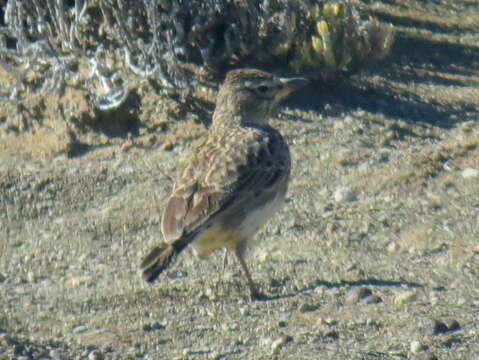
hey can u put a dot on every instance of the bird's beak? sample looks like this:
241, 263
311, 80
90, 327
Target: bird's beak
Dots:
290, 85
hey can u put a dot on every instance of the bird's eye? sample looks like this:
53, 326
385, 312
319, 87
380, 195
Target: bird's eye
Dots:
262, 89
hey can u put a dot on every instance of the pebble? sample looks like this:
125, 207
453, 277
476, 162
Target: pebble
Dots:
77, 281
372, 299
406, 297
470, 173
392, 247
277, 344
2, 278
95, 355
57, 355
153, 327
356, 294
344, 194
326, 321
31, 278
416, 346
283, 319
453, 325
304, 308
331, 334
208, 293
437, 327
79, 329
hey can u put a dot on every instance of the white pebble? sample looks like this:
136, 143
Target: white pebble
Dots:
415, 346
278, 343
470, 173
344, 194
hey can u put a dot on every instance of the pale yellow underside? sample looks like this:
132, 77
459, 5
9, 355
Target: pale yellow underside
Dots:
217, 237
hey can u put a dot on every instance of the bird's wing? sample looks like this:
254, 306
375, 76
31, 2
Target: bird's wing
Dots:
241, 173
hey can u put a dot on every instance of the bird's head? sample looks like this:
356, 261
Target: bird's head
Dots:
252, 96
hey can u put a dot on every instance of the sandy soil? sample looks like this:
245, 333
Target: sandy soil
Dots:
374, 256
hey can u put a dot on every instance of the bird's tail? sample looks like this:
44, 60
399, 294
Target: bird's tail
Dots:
160, 258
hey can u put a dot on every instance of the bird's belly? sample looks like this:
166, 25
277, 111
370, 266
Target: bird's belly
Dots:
256, 218
217, 236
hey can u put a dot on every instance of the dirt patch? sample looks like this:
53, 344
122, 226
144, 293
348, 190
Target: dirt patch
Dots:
389, 271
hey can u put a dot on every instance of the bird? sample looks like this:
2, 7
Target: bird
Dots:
234, 181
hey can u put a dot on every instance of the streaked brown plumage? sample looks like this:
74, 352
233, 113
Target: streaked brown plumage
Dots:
235, 180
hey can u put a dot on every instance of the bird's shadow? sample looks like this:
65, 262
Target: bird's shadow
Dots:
344, 283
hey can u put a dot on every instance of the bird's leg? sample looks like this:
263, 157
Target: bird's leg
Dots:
255, 294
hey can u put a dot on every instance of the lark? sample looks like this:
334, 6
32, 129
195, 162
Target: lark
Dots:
234, 181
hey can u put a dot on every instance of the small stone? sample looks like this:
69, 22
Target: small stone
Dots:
244, 311
453, 325
153, 327
2, 278
416, 347
304, 308
95, 355
344, 194
31, 278
275, 283
79, 329
406, 297
207, 294
278, 343
372, 299
392, 247
437, 327
57, 354
77, 281
470, 173
331, 334
451, 341
356, 294
283, 319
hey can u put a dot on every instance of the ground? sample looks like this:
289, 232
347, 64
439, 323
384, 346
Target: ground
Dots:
374, 256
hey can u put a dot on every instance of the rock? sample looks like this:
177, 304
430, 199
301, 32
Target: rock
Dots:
470, 173
344, 194
57, 354
356, 294
406, 297
331, 334
451, 341
79, 329
392, 247
436, 327
372, 299
95, 355
278, 343
77, 281
283, 319
453, 325
153, 327
416, 346
31, 278
304, 308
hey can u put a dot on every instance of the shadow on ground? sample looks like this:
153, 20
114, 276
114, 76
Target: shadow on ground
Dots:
412, 61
